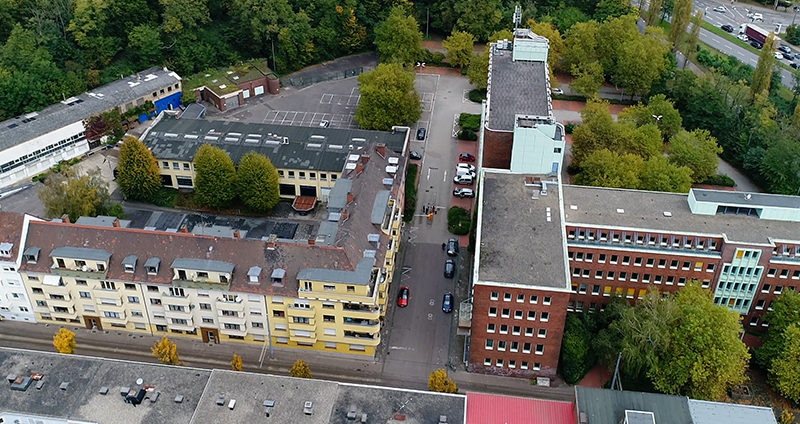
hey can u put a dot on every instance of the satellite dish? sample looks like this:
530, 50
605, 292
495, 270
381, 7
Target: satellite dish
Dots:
139, 381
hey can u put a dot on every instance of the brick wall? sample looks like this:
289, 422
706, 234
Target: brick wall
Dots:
497, 149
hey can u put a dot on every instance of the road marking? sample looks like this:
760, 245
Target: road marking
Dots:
430, 317
429, 174
401, 348
444, 178
431, 302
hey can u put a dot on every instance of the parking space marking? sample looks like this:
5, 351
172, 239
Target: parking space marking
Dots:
455, 126
326, 99
464, 96
310, 119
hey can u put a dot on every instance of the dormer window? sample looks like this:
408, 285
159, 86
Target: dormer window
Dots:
223, 279
277, 276
5, 249
151, 266
31, 254
129, 263
254, 275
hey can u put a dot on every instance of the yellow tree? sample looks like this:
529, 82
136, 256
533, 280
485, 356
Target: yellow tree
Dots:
236, 363
440, 382
166, 352
64, 341
300, 369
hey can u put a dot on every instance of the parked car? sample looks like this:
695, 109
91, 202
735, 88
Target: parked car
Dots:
402, 297
449, 268
787, 56
797, 55
720, 9
465, 171
756, 17
421, 134
415, 155
324, 123
463, 192
727, 28
466, 157
466, 166
794, 65
557, 91
756, 44
447, 303
778, 55
784, 48
463, 179
452, 247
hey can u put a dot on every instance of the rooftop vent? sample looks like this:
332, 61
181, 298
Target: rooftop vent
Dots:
442, 419
220, 399
620, 210
179, 399
573, 207
64, 385
103, 390
667, 214
308, 407
232, 404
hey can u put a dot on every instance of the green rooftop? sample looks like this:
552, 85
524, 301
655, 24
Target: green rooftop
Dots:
224, 80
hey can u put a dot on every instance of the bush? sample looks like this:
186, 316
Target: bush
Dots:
458, 221
568, 128
720, 180
576, 353
467, 135
411, 193
166, 197
432, 58
469, 121
477, 95
793, 34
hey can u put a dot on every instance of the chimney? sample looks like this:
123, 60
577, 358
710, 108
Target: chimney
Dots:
184, 229
65, 218
350, 198
236, 234
115, 223
272, 242
381, 149
364, 159
359, 169
312, 242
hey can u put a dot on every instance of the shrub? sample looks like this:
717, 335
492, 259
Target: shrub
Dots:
477, 95
568, 128
720, 180
793, 34
411, 193
458, 221
467, 135
576, 354
166, 197
469, 121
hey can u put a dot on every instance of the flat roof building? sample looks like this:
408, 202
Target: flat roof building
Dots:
34, 142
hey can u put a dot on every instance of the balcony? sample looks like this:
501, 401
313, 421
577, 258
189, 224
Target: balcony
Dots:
66, 303
167, 300
310, 326
366, 340
57, 290
104, 307
123, 320
645, 247
361, 325
230, 306
241, 332
291, 311
239, 320
184, 314
301, 336
71, 314
189, 326
84, 275
357, 312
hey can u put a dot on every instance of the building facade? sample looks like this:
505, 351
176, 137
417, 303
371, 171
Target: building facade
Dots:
31, 144
14, 301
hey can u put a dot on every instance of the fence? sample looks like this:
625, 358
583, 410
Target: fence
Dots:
304, 80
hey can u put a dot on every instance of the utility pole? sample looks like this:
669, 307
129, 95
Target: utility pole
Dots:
427, 21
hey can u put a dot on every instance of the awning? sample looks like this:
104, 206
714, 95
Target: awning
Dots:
304, 203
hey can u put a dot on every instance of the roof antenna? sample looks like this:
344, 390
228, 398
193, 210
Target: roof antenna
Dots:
517, 18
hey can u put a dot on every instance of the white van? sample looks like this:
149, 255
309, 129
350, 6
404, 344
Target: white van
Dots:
463, 179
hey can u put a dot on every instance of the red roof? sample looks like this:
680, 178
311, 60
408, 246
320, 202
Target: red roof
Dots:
494, 409
304, 203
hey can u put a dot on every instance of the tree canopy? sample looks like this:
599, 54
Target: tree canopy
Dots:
257, 182
75, 194
64, 341
696, 150
138, 176
388, 98
438, 381
215, 176
166, 351
459, 48
398, 38
300, 369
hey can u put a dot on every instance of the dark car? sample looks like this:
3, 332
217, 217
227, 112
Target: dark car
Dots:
402, 297
415, 155
449, 268
794, 65
452, 247
421, 134
784, 48
447, 303
727, 28
756, 44
466, 157
787, 56
116, 173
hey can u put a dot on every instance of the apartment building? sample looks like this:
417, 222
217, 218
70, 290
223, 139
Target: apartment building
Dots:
328, 292
309, 159
14, 301
34, 142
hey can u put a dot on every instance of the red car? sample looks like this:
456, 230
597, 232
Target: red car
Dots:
466, 157
402, 297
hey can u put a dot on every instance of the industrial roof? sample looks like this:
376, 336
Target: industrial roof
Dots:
646, 210
604, 406
515, 88
75, 109
748, 200
516, 242
704, 412
495, 409
288, 147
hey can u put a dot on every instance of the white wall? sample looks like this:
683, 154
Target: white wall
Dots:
14, 301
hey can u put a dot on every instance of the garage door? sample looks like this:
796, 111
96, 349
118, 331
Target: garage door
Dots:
246, 93
232, 102
259, 90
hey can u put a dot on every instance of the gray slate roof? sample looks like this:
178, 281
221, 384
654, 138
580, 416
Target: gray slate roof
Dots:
202, 265
517, 244
312, 148
360, 276
14, 131
81, 253
379, 206
604, 406
516, 88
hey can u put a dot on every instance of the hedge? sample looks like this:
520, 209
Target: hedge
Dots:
458, 221
411, 193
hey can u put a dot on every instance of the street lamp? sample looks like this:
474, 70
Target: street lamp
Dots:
796, 9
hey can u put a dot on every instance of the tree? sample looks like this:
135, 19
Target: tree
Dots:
653, 15
680, 22
611, 9
784, 372
763, 73
67, 192
581, 44
588, 79
478, 71
183, 16
236, 362
576, 353
166, 352
64, 341
658, 174
641, 61
479, 17
257, 182
398, 39
459, 48
438, 381
214, 176
300, 369
138, 176
690, 46
696, 150
604, 168
780, 166
660, 111
785, 312
145, 42
549, 31
388, 98
88, 27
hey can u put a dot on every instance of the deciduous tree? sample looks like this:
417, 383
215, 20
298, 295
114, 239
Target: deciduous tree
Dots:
640, 61
581, 45
479, 17
690, 45
64, 341
659, 111
438, 381
478, 71
653, 15
785, 370
659, 174
763, 73
398, 39
300, 369
549, 31
236, 362
696, 150
785, 312
576, 354
138, 176
459, 48
680, 22
183, 16
68, 192
604, 168
88, 27
215, 176
588, 79
257, 182
166, 352
388, 98
144, 41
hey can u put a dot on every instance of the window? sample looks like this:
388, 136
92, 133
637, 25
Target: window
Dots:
518, 314
626, 260
493, 311
129, 286
507, 297
37, 290
601, 258
637, 262
490, 328
312, 175
489, 344
506, 313
610, 275
546, 300
516, 330
520, 298
539, 349
178, 308
81, 282
176, 291
533, 299
85, 295
152, 288
595, 290
545, 317
494, 296
179, 321
531, 315
205, 306
291, 174
503, 329
499, 363
232, 326
301, 175
542, 333
650, 262
136, 313
514, 347
524, 365
41, 303
529, 331
614, 259
155, 301
487, 362
111, 314
778, 289
673, 264
133, 299
208, 320
526, 347
772, 272
108, 285
186, 166
501, 345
